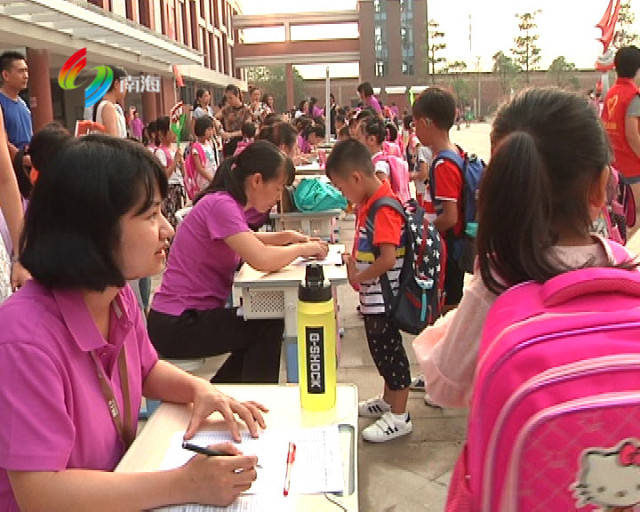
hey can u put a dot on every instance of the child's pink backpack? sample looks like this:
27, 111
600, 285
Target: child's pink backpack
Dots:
391, 148
191, 182
399, 175
555, 418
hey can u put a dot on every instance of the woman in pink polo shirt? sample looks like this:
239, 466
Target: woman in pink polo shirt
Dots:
189, 317
75, 357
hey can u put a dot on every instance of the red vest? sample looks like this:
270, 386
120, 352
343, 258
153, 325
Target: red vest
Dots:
614, 113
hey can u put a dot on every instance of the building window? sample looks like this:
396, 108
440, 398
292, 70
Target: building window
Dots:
379, 68
185, 24
407, 68
144, 14
214, 9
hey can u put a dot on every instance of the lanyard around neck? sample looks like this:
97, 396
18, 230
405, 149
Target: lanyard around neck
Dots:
126, 431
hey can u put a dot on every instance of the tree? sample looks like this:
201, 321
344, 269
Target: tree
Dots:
460, 86
624, 36
436, 45
272, 79
506, 70
526, 52
562, 72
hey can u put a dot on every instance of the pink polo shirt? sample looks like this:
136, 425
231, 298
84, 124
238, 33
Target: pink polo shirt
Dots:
201, 265
54, 414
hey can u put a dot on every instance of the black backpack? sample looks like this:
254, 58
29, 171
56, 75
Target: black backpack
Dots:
420, 296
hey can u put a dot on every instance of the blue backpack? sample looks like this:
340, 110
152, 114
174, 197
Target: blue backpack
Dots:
420, 297
462, 247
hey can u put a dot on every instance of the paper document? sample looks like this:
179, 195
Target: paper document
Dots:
317, 467
244, 503
334, 257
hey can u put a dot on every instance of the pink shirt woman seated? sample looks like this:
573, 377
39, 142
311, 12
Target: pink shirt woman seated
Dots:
73, 341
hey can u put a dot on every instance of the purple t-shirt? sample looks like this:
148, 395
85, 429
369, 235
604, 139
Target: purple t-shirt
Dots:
373, 102
304, 145
54, 415
201, 265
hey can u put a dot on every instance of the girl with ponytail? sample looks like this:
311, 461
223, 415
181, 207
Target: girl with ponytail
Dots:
188, 316
544, 186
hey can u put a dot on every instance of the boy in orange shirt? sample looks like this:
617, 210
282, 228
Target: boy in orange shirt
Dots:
350, 169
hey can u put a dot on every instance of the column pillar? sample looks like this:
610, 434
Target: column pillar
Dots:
168, 93
149, 111
39, 88
289, 79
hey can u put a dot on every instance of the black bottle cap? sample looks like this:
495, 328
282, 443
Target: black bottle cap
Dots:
314, 288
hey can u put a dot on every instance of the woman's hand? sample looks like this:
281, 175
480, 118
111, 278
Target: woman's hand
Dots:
208, 400
19, 275
295, 237
317, 249
219, 480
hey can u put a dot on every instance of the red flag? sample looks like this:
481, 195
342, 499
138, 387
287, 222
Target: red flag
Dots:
178, 76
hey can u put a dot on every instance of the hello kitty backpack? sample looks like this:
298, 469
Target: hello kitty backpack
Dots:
554, 423
399, 177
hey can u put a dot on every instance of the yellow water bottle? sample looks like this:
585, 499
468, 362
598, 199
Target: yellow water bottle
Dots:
316, 341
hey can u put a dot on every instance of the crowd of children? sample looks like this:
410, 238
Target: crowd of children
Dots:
527, 216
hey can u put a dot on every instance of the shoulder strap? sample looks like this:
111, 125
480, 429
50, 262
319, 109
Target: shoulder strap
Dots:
452, 156
375, 207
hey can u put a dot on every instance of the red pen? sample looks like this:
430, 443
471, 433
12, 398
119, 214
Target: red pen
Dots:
291, 457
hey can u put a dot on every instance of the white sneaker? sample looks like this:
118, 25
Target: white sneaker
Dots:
373, 408
387, 428
429, 401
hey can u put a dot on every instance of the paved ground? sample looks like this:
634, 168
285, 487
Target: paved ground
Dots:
409, 473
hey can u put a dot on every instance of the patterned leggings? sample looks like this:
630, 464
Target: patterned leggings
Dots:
385, 345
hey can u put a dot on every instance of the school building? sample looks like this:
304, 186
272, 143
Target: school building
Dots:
162, 42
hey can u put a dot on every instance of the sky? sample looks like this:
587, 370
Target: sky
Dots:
565, 27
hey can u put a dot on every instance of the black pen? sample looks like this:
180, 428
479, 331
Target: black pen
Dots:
207, 451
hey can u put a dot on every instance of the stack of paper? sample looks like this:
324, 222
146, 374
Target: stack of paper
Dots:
317, 467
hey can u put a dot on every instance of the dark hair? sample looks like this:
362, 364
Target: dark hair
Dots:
365, 114
549, 148
272, 118
163, 125
8, 58
265, 98
45, 144
301, 105
118, 73
340, 119
406, 122
290, 169
280, 133
318, 130
261, 157
248, 130
348, 156
344, 132
366, 89
392, 132
199, 94
374, 126
312, 103
233, 89
201, 125
627, 61
438, 105
22, 177
72, 227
